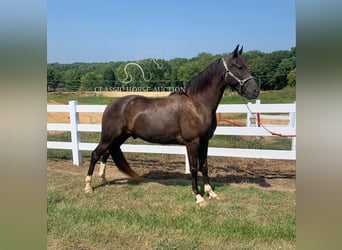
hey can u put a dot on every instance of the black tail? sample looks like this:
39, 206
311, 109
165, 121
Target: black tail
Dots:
122, 164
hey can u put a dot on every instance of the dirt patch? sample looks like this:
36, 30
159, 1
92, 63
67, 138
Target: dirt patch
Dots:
85, 117
63, 117
269, 174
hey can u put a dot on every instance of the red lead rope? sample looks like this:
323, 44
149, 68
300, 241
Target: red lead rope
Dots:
277, 134
220, 119
258, 119
258, 123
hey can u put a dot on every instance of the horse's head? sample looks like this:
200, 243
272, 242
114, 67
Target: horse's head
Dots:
237, 75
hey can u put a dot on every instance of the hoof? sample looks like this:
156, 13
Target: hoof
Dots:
213, 195
88, 190
210, 192
200, 201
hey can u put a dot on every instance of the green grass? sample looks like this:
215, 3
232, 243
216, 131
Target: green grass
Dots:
154, 215
250, 142
90, 99
286, 95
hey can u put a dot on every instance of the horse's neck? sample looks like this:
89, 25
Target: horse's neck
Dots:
212, 96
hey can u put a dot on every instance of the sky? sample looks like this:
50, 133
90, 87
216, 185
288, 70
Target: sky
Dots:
130, 30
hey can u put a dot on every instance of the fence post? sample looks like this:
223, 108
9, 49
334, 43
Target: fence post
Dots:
249, 117
292, 124
75, 134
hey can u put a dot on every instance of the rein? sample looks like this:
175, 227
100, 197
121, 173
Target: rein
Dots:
228, 72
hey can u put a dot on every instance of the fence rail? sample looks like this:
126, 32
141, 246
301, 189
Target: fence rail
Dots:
287, 112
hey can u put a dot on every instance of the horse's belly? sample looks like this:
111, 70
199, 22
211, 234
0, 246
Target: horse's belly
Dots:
155, 128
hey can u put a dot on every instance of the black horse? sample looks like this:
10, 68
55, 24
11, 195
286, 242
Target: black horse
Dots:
187, 118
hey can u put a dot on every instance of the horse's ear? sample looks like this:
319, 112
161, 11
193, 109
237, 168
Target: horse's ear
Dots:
235, 51
240, 51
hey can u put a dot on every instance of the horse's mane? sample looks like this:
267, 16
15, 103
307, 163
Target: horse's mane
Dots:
178, 92
202, 80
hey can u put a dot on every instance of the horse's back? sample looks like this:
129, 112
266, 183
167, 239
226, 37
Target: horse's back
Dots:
118, 106
131, 103
129, 107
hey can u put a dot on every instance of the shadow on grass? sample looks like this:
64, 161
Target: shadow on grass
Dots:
171, 172
167, 178
182, 179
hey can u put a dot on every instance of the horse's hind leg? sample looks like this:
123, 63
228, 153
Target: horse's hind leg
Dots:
102, 171
95, 156
192, 151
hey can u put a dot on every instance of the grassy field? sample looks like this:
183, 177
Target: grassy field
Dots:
157, 215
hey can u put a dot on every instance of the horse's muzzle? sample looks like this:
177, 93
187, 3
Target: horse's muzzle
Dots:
250, 90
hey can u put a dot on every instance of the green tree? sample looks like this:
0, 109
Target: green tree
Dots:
253, 55
108, 76
90, 81
203, 60
72, 79
270, 70
291, 78
269, 65
175, 64
54, 77
284, 67
194, 66
255, 59
187, 71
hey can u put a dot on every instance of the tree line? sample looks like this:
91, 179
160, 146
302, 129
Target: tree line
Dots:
272, 71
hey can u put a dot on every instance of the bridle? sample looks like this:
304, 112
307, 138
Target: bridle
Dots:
229, 73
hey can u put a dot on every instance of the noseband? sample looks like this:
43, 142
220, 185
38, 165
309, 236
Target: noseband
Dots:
228, 72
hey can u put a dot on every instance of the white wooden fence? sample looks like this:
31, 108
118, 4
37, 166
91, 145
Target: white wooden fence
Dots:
288, 112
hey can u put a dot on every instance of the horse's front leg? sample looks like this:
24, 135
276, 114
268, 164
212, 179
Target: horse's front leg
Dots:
192, 150
203, 166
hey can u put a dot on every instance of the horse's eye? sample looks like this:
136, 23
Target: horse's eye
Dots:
239, 66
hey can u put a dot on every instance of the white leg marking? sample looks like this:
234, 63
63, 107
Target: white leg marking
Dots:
88, 188
209, 190
102, 173
199, 200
